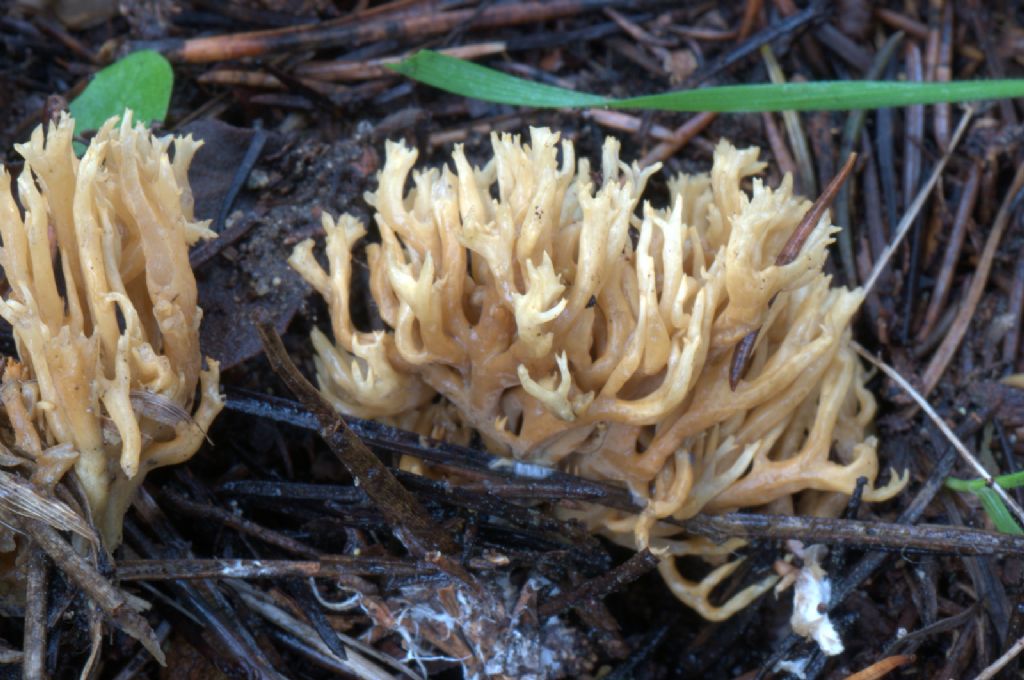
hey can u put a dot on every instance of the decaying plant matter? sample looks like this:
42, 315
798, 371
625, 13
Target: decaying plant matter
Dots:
102, 301
570, 332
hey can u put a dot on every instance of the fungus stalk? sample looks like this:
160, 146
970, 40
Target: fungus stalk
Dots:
102, 301
570, 326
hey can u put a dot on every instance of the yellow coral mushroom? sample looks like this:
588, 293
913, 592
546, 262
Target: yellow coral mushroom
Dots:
102, 301
568, 331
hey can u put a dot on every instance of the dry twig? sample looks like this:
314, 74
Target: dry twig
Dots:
596, 588
335, 566
944, 281
34, 646
915, 206
999, 664
943, 355
679, 138
881, 668
411, 522
114, 603
889, 536
348, 34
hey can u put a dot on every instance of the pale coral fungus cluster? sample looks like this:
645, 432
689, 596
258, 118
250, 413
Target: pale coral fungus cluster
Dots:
569, 330
102, 301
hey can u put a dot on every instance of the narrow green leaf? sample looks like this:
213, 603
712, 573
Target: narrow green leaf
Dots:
141, 81
479, 82
998, 511
1009, 481
824, 96
957, 484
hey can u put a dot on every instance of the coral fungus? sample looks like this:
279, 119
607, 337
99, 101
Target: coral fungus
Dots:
567, 330
102, 301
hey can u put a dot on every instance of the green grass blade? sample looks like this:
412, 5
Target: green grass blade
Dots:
479, 82
1009, 481
824, 96
998, 511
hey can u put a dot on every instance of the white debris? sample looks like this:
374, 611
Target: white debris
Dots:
811, 594
491, 631
796, 667
521, 469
